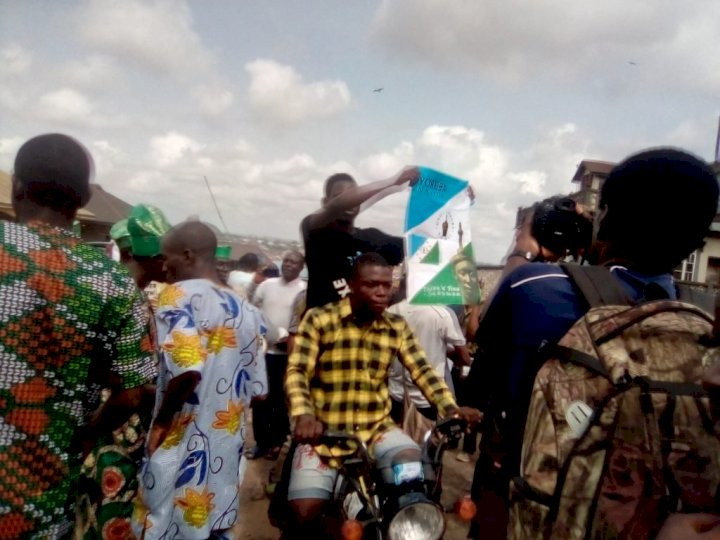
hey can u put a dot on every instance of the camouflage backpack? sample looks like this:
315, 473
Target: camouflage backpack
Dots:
619, 432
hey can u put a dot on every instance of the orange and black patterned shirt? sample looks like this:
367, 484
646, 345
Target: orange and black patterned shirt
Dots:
69, 318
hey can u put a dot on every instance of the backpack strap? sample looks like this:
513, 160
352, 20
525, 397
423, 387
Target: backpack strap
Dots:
573, 356
597, 285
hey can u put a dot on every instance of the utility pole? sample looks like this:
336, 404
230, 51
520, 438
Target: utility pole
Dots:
217, 208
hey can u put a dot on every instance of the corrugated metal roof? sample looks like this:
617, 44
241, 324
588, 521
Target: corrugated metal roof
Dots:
6, 199
103, 207
106, 207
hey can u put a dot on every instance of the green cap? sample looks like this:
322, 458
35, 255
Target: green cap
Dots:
223, 253
146, 226
120, 235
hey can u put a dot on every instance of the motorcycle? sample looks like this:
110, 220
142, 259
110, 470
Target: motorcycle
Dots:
398, 503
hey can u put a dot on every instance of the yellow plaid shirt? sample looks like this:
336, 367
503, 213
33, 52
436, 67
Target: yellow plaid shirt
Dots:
338, 371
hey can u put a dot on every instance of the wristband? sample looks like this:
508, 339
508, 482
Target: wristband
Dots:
527, 255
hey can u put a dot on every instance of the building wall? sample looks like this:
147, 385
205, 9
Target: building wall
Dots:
589, 192
95, 232
711, 250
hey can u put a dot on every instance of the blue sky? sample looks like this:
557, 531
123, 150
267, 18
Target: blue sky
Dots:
268, 98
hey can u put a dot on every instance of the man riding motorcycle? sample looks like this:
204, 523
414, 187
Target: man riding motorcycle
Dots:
337, 380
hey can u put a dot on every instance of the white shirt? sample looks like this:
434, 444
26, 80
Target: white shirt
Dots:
437, 329
275, 297
240, 281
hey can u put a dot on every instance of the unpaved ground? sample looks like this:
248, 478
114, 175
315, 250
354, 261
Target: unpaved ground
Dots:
254, 524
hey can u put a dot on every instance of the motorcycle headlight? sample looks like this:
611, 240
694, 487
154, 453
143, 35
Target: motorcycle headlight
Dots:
417, 521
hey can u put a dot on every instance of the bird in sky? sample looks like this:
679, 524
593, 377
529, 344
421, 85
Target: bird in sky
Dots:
632, 63
378, 90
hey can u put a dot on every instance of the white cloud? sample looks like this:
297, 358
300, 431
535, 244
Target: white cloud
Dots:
14, 59
503, 179
165, 93
92, 72
15, 63
554, 158
157, 34
12, 100
149, 182
108, 158
463, 152
170, 148
65, 105
693, 133
270, 197
388, 163
8, 149
669, 43
213, 100
530, 182
278, 93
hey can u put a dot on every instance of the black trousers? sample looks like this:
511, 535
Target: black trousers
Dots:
398, 409
270, 417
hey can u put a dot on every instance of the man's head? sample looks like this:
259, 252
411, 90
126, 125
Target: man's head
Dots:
189, 252
335, 185
292, 265
250, 262
52, 173
270, 271
146, 226
371, 283
225, 264
657, 207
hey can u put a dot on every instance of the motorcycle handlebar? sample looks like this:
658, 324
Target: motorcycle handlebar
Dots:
452, 426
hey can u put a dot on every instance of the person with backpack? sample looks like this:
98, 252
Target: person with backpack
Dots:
656, 208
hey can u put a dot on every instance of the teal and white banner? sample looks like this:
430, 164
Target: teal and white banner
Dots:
440, 260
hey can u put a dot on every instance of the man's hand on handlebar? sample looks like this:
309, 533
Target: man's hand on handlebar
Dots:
308, 429
470, 415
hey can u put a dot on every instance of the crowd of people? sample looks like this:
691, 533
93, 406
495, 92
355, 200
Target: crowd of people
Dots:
126, 386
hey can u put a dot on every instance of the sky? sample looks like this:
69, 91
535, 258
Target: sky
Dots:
266, 99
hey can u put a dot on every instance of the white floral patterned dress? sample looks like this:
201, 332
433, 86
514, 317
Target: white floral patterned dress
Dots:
189, 487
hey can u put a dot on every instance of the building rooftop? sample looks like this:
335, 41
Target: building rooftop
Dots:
602, 168
106, 207
6, 208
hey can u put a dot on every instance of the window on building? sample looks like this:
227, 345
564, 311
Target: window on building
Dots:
712, 276
596, 183
686, 271
586, 181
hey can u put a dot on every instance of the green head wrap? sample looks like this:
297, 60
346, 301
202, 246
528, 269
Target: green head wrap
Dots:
146, 225
223, 253
120, 235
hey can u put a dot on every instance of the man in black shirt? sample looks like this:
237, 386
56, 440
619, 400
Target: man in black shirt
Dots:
332, 242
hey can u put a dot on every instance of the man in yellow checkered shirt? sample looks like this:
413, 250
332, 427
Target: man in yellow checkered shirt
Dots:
337, 380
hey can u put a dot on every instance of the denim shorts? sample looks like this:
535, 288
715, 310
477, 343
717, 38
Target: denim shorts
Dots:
312, 478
